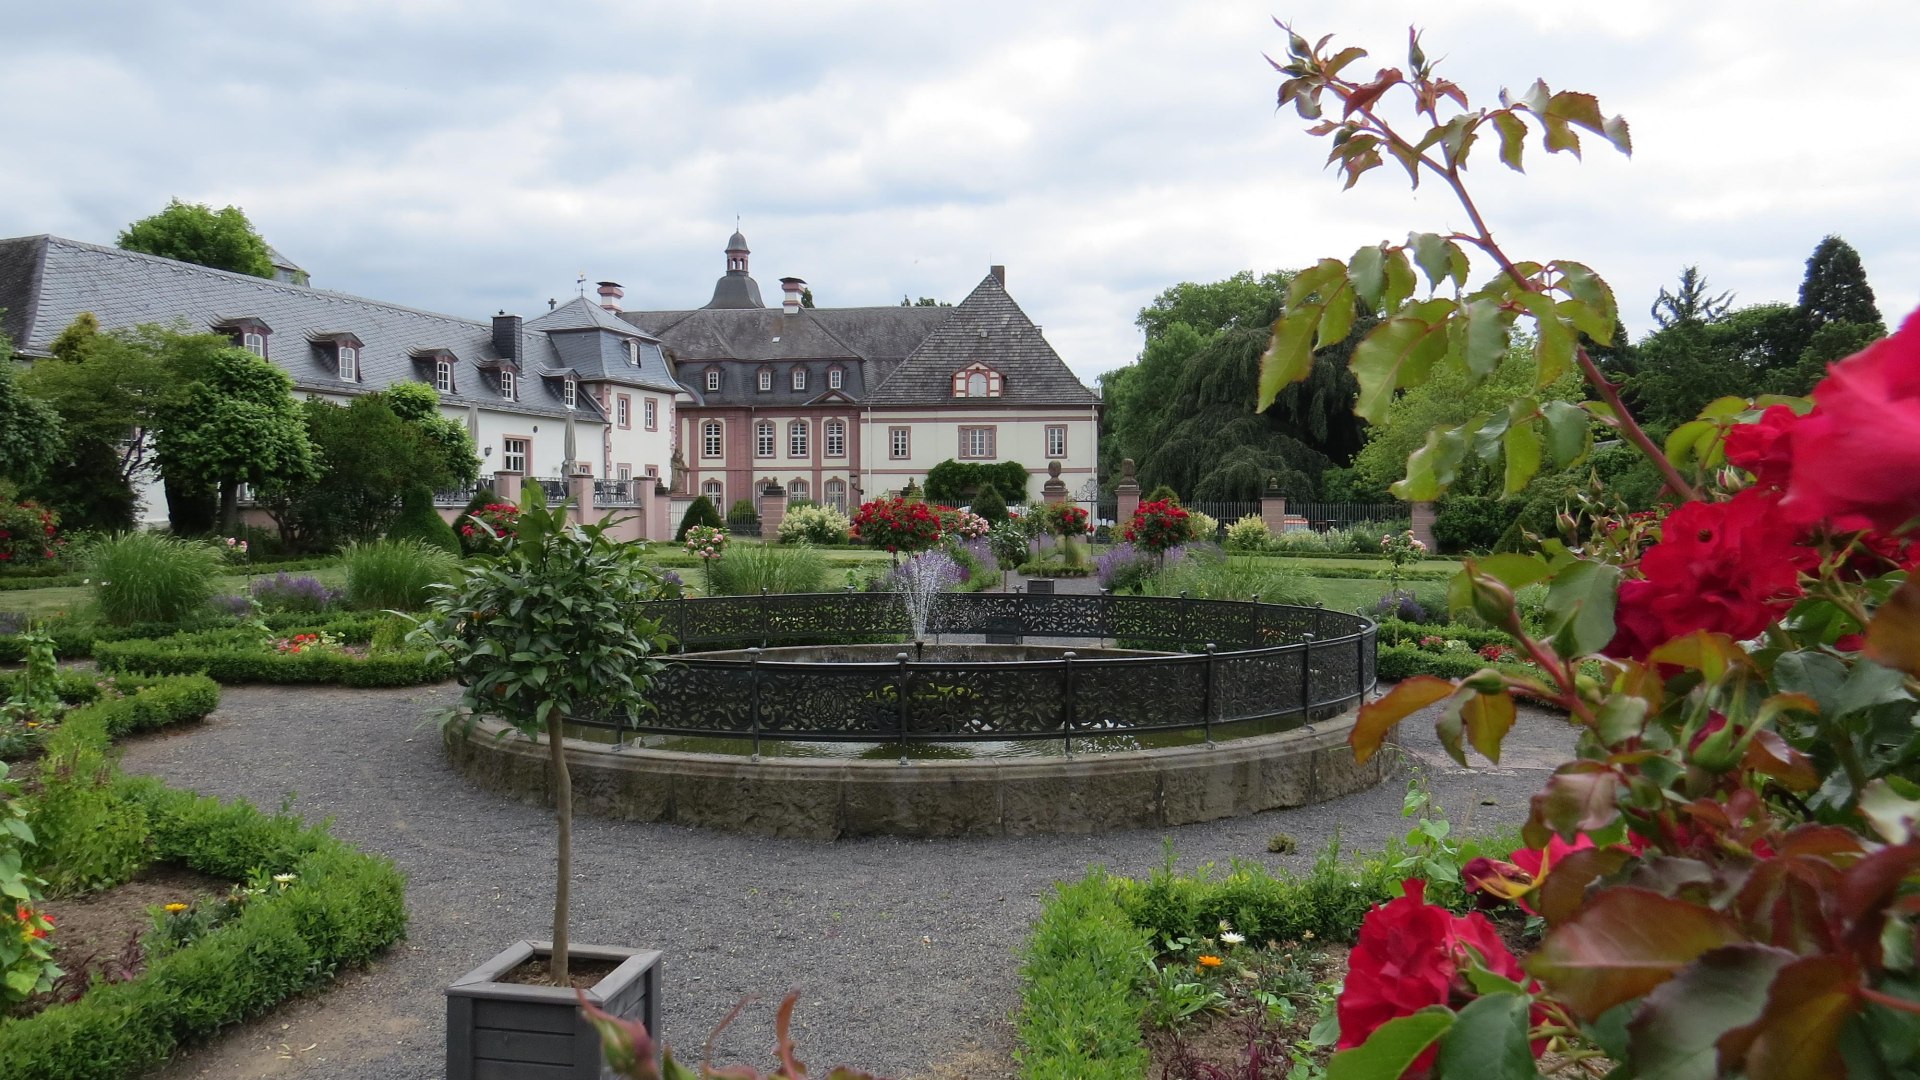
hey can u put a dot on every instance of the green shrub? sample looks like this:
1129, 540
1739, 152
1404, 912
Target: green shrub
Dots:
1397, 662
1249, 535
341, 910
742, 515
396, 574
1472, 522
1079, 1013
149, 577
990, 504
699, 512
1208, 575
418, 520
90, 836
1328, 901
750, 568
820, 525
1162, 493
482, 498
239, 656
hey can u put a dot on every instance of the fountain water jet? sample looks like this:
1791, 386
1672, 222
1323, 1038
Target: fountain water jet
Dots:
920, 581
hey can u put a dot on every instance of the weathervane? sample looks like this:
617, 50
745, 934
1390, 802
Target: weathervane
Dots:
580, 283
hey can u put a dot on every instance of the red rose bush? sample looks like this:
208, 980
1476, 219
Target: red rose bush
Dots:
1728, 867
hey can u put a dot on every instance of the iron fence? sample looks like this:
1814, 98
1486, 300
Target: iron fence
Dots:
553, 487
454, 496
614, 493
1230, 664
1332, 516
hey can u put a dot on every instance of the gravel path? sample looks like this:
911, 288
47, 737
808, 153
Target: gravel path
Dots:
906, 949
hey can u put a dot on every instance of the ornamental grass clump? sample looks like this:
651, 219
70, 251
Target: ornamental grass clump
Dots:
396, 575
1728, 866
150, 577
546, 631
750, 569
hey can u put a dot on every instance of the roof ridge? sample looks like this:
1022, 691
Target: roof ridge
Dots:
282, 286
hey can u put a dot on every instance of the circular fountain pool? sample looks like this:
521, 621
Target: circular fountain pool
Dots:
812, 715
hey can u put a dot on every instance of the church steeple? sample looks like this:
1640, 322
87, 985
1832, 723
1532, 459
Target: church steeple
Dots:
736, 289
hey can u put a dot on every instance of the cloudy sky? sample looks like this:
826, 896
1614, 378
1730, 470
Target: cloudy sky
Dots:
473, 155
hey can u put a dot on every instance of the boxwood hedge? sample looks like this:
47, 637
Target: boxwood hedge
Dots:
235, 656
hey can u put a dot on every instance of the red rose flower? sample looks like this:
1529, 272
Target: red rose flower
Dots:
1409, 955
1764, 447
1856, 457
1728, 567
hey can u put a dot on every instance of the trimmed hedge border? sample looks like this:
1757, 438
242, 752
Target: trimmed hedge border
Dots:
229, 656
148, 702
75, 640
344, 909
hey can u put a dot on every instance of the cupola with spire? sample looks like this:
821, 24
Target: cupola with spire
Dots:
736, 289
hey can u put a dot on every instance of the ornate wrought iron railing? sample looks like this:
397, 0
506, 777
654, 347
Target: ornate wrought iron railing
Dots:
614, 493
1228, 664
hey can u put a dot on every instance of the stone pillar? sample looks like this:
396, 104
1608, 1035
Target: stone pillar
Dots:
580, 510
656, 515
773, 509
1127, 492
506, 486
1273, 507
1423, 526
1055, 489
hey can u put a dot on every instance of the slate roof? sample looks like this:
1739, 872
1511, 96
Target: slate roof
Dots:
592, 342
46, 281
866, 343
989, 327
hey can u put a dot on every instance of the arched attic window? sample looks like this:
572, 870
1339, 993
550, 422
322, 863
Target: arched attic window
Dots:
976, 380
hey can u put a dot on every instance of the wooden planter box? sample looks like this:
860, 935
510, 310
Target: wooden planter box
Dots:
511, 1031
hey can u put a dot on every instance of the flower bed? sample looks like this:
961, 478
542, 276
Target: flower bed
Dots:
244, 656
126, 704
339, 909
77, 638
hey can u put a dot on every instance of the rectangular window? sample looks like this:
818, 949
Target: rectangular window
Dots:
623, 405
763, 439
713, 380
443, 376
653, 470
349, 363
650, 409
633, 354
506, 385
766, 380
1056, 440
797, 439
569, 393
623, 472
255, 343
834, 378
899, 442
836, 439
976, 442
799, 378
710, 439
513, 457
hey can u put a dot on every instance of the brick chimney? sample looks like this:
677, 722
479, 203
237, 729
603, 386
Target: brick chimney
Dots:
506, 336
610, 294
791, 288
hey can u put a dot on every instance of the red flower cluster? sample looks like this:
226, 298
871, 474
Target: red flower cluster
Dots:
1156, 526
298, 643
1855, 459
1729, 567
1410, 955
27, 533
898, 524
1065, 519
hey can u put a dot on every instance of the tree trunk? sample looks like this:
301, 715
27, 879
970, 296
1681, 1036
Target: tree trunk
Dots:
563, 820
230, 507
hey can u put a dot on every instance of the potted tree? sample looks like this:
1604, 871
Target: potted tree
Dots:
539, 633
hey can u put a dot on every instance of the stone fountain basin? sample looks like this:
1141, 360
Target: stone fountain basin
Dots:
941, 652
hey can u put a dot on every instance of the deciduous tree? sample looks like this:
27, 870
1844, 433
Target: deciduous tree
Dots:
195, 232
233, 422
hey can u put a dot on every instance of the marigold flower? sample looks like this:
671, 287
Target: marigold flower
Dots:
175, 908
1208, 960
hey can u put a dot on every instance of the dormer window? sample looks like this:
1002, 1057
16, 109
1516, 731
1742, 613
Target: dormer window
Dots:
834, 378
766, 379
570, 393
713, 380
247, 332
349, 363
506, 384
976, 380
633, 353
799, 378
254, 342
443, 375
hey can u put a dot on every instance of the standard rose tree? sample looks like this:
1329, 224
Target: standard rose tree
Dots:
1729, 867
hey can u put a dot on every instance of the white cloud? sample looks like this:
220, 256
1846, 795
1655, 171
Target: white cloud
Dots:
473, 156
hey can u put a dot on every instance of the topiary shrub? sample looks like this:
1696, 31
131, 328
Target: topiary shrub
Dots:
699, 512
742, 517
418, 520
990, 505
1163, 493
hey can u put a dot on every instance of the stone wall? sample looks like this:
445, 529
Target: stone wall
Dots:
826, 800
